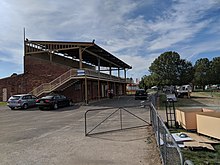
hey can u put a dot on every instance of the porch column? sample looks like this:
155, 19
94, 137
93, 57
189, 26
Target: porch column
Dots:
115, 92
98, 78
125, 76
98, 89
80, 58
98, 59
125, 89
110, 71
86, 91
118, 72
50, 52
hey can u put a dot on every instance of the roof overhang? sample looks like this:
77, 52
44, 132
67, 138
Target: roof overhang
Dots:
91, 52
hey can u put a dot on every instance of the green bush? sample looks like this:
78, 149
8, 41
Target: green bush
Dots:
3, 103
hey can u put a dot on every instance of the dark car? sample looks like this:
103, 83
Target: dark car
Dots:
141, 94
53, 102
22, 101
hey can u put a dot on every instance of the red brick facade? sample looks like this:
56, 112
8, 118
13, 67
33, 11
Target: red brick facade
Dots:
37, 71
40, 69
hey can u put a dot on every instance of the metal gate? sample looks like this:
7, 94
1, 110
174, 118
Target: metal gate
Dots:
114, 119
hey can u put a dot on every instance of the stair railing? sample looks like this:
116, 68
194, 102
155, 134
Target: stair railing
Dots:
49, 87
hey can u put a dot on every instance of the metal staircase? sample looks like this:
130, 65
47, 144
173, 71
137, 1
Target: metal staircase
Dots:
73, 74
49, 87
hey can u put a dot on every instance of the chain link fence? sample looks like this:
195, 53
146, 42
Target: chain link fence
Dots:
169, 150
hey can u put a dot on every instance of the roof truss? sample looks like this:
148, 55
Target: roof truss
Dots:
91, 53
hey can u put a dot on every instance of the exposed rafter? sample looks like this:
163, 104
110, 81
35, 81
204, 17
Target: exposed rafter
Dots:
90, 52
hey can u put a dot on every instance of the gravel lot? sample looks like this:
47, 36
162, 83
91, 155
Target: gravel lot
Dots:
34, 137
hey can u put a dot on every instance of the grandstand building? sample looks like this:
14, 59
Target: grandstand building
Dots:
82, 71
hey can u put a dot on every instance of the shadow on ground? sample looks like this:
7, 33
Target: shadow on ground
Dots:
125, 135
120, 101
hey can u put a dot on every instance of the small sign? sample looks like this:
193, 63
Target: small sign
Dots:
80, 72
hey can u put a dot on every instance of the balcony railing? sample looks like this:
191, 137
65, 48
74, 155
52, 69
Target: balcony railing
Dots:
74, 74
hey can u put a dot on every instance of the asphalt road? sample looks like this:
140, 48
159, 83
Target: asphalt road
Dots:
34, 137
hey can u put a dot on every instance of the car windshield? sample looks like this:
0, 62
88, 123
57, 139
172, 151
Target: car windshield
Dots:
47, 97
140, 92
14, 97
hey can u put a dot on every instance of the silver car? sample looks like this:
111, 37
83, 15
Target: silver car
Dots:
22, 101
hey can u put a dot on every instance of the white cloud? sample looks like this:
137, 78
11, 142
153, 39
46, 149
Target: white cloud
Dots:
180, 23
105, 21
114, 24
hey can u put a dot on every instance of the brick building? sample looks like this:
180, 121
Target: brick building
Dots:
82, 71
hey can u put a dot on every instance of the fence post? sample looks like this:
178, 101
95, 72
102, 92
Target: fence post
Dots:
85, 124
120, 118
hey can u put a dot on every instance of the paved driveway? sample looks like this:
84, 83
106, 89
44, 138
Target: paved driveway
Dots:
35, 137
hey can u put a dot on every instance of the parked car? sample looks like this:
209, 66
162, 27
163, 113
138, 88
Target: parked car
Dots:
22, 101
53, 102
184, 90
141, 94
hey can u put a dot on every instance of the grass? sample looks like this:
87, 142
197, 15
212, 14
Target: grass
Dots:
214, 94
203, 156
3, 103
185, 102
200, 157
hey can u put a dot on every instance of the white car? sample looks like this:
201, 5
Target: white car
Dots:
171, 97
22, 101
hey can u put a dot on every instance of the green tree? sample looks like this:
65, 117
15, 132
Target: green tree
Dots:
185, 70
142, 83
202, 74
215, 70
170, 69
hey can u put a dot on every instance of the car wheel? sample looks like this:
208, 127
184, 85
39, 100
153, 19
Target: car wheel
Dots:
70, 103
41, 108
25, 106
55, 106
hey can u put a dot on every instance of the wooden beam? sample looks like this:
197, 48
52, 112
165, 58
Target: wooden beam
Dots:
110, 71
118, 72
80, 58
110, 62
99, 89
125, 75
71, 48
86, 91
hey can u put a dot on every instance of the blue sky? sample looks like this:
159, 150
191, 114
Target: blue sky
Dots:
136, 31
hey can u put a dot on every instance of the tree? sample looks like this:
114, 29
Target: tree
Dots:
171, 70
202, 74
215, 70
186, 71
142, 82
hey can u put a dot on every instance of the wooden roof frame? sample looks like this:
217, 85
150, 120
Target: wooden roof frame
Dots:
88, 52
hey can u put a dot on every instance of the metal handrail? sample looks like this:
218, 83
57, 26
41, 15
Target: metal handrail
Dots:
48, 87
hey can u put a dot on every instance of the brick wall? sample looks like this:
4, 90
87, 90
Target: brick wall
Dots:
40, 71
14, 84
37, 71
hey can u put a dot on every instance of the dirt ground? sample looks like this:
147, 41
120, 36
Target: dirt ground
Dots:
34, 137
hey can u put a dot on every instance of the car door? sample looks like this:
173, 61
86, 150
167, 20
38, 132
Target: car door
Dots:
32, 100
29, 101
58, 100
64, 100
24, 100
